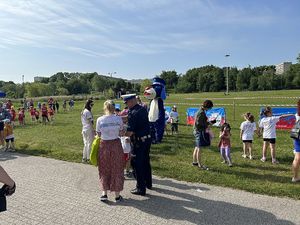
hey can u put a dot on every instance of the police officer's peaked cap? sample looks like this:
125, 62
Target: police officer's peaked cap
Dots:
128, 97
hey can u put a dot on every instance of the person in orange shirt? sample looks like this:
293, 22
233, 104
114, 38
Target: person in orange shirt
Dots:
37, 115
51, 113
13, 115
9, 135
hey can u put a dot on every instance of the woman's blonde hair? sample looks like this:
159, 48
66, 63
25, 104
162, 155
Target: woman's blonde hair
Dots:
109, 107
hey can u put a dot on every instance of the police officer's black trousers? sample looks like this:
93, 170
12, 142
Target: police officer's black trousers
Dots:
141, 164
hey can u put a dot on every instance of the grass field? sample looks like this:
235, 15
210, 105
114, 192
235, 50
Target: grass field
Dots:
173, 157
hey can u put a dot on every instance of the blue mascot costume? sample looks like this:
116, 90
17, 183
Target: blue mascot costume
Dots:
157, 94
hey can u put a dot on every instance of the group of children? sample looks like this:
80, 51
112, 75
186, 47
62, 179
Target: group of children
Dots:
267, 128
47, 114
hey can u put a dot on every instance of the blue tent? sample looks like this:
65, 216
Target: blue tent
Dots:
2, 94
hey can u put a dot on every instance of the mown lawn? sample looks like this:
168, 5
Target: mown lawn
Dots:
173, 157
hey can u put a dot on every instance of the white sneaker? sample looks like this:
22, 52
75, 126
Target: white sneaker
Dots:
250, 157
244, 156
263, 159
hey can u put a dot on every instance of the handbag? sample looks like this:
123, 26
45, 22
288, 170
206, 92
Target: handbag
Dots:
295, 131
94, 151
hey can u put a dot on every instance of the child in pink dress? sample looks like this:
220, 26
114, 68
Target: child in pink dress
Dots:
224, 143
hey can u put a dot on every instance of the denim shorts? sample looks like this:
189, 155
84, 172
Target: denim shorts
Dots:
202, 138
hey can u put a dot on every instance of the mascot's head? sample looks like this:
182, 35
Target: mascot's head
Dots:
149, 93
157, 90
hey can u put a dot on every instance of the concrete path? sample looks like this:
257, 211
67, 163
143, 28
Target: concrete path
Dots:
53, 192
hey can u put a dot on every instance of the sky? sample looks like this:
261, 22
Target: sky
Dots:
137, 39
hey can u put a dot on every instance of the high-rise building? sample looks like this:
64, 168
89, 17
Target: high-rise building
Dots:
282, 67
38, 79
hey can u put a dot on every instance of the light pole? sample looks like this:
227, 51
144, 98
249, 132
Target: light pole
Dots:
227, 76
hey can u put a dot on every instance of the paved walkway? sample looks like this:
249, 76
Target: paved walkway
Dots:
56, 192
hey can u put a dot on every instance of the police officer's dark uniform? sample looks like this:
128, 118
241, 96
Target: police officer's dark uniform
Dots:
138, 123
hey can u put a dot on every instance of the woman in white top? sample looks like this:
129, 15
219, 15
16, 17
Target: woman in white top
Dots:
87, 130
110, 158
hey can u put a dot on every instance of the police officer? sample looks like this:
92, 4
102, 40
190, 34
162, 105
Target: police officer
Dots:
139, 131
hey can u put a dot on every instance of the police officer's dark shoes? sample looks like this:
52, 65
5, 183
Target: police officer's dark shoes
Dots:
138, 192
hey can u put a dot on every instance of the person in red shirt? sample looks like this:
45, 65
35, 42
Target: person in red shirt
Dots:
8, 104
44, 111
21, 116
32, 113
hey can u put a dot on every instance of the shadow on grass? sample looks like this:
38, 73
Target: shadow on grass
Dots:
254, 176
188, 208
262, 167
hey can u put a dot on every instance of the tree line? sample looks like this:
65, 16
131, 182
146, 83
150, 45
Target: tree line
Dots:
202, 79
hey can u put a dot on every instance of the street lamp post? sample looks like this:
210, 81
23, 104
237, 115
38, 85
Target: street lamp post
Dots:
227, 76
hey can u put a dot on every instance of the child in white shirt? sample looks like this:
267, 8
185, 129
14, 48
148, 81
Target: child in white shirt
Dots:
267, 125
174, 120
248, 127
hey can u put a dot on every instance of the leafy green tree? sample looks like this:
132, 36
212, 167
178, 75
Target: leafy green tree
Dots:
170, 77
62, 91
243, 79
145, 83
253, 83
184, 86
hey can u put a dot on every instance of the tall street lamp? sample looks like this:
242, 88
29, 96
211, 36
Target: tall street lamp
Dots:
227, 76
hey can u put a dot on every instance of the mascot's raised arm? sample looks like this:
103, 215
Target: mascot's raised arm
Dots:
157, 94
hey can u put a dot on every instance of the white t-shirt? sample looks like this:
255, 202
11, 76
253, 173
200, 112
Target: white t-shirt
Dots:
269, 125
248, 129
173, 117
109, 126
86, 120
